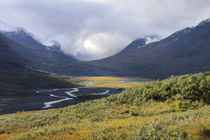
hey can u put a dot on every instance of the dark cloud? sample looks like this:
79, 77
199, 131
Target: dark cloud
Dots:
93, 29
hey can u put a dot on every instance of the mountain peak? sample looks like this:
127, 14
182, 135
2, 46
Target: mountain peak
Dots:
152, 38
6, 27
141, 42
207, 21
22, 36
56, 46
24, 33
17, 31
138, 43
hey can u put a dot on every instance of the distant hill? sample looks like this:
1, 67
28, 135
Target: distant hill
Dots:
185, 51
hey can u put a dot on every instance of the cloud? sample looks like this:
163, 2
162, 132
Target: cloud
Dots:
92, 29
99, 45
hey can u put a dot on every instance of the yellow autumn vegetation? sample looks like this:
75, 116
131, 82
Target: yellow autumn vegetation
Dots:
138, 113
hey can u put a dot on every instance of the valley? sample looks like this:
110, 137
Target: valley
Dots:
156, 90
86, 88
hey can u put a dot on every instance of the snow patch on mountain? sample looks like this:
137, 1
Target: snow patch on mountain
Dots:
151, 39
52, 45
20, 31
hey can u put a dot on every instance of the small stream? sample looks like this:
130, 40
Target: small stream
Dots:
53, 98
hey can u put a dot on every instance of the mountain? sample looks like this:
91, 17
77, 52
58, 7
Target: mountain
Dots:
55, 47
21, 64
7, 55
49, 58
22, 36
138, 43
185, 51
17, 79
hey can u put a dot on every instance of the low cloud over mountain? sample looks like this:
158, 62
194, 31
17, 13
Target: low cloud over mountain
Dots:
92, 29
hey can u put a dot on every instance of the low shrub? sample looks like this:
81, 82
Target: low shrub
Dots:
188, 87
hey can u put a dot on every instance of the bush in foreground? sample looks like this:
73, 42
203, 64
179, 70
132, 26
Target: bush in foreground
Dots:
188, 88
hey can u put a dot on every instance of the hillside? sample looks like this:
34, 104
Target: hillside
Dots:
22, 81
33, 53
186, 51
176, 108
17, 79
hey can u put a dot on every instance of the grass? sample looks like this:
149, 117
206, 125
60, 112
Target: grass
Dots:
128, 115
109, 81
110, 78
71, 123
114, 85
19, 80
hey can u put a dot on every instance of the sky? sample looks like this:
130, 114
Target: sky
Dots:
94, 29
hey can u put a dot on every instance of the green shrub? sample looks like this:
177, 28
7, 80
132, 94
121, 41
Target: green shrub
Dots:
188, 87
183, 105
156, 130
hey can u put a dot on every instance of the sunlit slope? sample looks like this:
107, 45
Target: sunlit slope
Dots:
109, 81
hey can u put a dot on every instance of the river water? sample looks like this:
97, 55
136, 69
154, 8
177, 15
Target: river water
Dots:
52, 98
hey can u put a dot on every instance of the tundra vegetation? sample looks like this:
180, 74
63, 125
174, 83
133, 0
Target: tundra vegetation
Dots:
174, 108
109, 81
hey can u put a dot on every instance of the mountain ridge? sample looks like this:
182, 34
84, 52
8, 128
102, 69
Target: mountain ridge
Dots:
49, 58
185, 51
